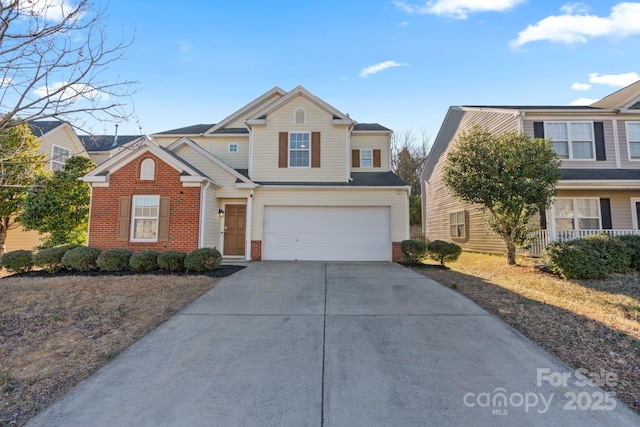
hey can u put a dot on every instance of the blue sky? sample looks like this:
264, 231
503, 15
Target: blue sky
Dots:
398, 63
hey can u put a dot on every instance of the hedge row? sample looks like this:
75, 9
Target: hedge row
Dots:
83, 258
593, 257
415, 251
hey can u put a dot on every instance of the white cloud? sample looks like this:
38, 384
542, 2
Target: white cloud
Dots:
71, 92
50, 10
576, 26
616, 80
458, 9
581, 86
379, 67
583, 101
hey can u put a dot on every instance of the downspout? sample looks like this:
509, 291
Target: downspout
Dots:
520, 117
249, 228
203, 212
250, 166
349, 130
90, 206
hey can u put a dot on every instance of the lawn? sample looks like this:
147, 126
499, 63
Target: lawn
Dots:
590, 324
56, 331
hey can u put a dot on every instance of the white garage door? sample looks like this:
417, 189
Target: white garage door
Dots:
313, 233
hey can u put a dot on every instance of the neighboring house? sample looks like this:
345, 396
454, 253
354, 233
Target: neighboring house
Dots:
286, 177
600, 188
58, 142
102, 148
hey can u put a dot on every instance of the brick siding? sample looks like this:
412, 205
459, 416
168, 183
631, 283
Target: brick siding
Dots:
184, 214
256, 250
396, 252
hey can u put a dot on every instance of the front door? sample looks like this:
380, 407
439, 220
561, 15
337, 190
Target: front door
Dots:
234, 229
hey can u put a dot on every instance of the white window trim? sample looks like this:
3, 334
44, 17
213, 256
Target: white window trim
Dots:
570, 141
233, 144
634, 214
53, 157
626, 128
153, 170
362, 157
575, 218
464, 225
133, 217
289, 151
304, 122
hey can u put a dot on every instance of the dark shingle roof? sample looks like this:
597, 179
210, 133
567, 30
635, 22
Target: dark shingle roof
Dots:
360, 179
232, 130
40, 127
370, 127
188, 130
105, 142
535, 107
600, 174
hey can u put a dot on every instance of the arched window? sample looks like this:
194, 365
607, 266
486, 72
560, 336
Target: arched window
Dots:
300, 116
147, 170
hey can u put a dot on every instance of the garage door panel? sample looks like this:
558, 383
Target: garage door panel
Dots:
327, 233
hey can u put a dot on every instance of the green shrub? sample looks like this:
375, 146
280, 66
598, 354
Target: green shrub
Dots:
19, 261
82, 258
575, 261
51, 259
114, 260
632, 243
144, 261
413, 251
203, 259
439, 250
614, 252
171, 260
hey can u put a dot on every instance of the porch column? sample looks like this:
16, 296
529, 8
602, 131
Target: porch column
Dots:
247, 237
552, 223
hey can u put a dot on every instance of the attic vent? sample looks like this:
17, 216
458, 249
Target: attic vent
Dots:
147, 170
300, 116
635, 106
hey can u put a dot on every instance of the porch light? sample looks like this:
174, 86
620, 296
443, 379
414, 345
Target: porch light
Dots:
220, 213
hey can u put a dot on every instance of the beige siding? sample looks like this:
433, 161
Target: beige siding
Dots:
100, 157
438, 203
332, 197
219, 175
373, 141
61, 137
219, 147
211, 223
621, 213
17, 238
333, 166
239, 122
609, 145
624, 148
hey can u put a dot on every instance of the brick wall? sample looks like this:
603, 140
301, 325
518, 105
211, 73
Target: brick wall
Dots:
256, 250
184, 208
396, 253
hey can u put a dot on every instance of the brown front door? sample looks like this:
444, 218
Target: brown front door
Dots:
234, 229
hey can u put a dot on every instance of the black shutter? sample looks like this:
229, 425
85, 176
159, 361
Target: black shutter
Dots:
605, 211
538, 129
598, 130
543, 219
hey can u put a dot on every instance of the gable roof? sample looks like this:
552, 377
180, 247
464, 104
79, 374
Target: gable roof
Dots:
188, 130
620, 99
42, 127
244, 110
370, 127
300, 91
95, 143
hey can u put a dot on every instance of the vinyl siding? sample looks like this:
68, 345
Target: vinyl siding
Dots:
624, 148
330, 197
100, 157
621, 214
211, 221
239, 122
219, 147
17, 238
438, 203
219, 175
374, 142
609, 144
62, 138
333, 145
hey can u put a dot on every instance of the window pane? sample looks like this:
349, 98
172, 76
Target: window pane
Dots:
581, 131
452, 218
589, 224
454, 231
634, 148
145, 229
587, 208
564, 224
582, 150
564, 208
562, 149
460, 217
461, 230
634, 131
557, 131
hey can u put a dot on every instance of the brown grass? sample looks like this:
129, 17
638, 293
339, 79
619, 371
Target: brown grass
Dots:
590, 324
56, 331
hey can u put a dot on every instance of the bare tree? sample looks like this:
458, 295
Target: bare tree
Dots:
409, 155
53, 57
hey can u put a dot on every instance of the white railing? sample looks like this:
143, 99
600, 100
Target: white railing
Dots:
541, 238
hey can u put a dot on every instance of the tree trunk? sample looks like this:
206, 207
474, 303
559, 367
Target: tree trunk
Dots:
511, 251
3, 237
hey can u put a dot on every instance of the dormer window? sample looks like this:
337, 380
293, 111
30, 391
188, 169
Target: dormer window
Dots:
147, 170
300, 116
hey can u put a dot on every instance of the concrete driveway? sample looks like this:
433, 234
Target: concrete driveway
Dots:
334, 344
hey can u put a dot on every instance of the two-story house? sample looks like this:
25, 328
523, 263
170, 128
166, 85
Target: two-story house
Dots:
58, 142
286, 177
599, 148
